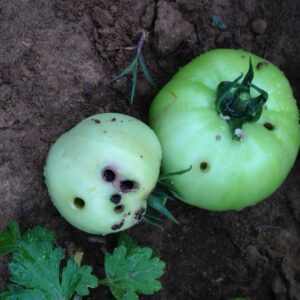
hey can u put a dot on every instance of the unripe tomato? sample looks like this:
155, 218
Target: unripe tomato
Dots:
100, 173
231, 115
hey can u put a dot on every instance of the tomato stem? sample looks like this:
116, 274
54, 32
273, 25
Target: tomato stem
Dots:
235, 104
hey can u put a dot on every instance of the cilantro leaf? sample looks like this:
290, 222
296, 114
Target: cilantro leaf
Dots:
18, 293
77, 279
38, 235
9, 237
132, 270
36, 266
35, 270
129, 243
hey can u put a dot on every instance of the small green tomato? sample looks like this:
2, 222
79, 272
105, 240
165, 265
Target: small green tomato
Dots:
231, 115
100, 173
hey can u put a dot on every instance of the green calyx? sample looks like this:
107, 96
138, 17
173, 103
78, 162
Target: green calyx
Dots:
235, 104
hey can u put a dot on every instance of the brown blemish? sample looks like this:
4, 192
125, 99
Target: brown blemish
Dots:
117, 226
119, 209
141, 156
96, 121
218, 137
104, 131
261, 65
139, 214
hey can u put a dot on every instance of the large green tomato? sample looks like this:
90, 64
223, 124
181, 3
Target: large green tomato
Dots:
100, 173
239, 132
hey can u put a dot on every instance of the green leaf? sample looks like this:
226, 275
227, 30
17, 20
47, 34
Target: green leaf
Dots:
39, 234
16, 292
9, 237
153, 223
157, 204
126, 71
36, 266
133, 68
76, 278
134, 82
167, 175
145, 69
35, 270
132, 271
127, 241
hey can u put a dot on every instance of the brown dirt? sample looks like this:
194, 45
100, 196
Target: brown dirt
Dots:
53, 57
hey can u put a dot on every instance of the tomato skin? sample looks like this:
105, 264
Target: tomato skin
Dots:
226, 174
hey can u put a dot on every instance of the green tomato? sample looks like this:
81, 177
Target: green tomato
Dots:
239, 133
100, 173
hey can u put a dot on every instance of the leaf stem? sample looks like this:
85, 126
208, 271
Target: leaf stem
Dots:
235, 104
140, 43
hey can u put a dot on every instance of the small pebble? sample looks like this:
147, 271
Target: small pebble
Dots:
259, 26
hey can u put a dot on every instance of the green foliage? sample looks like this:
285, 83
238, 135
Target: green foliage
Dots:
132, 270
36, 272
9, 237
35, 269
157, 200
133, 68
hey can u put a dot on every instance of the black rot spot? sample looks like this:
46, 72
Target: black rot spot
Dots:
96, 121
113, 120
116, 198
127, 186
204, 166
108, 175
139, 214
261, 65
118, 226
269, 126
79, 203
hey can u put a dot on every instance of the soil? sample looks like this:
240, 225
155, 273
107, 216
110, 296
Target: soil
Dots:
54, 57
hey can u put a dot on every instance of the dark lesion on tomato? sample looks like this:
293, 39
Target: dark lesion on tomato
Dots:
218, 137
116, 198
204, 167
96, 121
109, 175
79, 203
119, 209
118, 226
138, 216
270, 126
127, 186
261, 65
